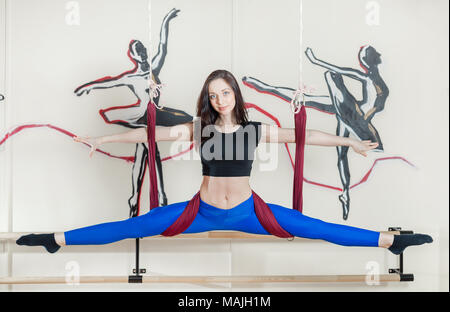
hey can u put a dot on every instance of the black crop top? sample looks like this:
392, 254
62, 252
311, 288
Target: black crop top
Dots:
230, 154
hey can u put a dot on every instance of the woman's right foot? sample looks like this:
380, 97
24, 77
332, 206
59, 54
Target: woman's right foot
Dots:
46, 240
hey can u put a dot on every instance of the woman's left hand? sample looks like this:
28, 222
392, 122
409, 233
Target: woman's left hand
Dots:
361, 147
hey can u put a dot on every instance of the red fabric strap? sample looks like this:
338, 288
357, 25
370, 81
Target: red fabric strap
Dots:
300, 137
267, 219
151, 125
186, 218
262, 210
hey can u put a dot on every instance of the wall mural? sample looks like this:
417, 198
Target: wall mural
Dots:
353, 116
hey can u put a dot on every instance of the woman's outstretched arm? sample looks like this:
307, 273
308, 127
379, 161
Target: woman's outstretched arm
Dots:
273, 134
181, 132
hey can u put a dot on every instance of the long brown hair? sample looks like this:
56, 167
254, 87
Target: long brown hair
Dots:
207, 113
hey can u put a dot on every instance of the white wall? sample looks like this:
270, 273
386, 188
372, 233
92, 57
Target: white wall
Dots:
48, 183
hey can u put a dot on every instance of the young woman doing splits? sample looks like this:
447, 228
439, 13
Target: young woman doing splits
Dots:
227, 201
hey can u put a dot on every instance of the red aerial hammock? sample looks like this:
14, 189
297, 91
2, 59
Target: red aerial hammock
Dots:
262, 210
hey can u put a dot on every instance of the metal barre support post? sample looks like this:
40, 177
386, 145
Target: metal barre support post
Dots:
404, 277
137, 278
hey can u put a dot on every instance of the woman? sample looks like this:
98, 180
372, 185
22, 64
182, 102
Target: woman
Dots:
226, 199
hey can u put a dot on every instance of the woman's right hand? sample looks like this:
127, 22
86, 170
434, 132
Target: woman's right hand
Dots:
94, 143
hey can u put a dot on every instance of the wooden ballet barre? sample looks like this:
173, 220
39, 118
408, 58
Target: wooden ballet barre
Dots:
211, 234
395, 275
240, 235
249, 279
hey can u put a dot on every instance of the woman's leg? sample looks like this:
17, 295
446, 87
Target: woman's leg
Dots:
300, 225
152, 223
297, 224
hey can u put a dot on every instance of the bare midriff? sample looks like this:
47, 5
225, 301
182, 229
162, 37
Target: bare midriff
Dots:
225, 192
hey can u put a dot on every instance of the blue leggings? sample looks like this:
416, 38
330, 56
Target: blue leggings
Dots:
209, 218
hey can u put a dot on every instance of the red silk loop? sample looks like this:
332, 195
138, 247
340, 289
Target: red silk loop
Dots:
154, 92
297, 101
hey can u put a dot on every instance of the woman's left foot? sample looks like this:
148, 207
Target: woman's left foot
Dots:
404, 240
